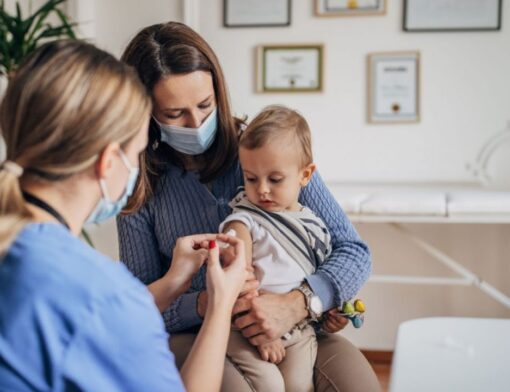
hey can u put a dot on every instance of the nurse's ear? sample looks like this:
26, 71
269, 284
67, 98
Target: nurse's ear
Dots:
105, 162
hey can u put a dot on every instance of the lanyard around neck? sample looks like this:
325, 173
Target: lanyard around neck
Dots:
29, 198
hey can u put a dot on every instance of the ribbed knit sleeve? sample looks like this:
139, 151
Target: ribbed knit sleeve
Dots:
138, 248
140, 251
343, 274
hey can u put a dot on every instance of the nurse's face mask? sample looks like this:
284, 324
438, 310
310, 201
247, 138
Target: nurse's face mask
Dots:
190, 141
107, 208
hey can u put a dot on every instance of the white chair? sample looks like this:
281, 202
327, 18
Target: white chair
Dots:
452, 354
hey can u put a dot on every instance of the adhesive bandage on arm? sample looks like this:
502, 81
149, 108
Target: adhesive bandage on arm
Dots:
231, 233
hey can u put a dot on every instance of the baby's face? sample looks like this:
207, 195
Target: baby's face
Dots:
273, 176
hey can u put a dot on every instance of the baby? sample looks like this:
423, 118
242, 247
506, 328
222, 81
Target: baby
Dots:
285, 240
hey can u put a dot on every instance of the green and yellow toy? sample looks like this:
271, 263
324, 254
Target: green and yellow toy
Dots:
354, 312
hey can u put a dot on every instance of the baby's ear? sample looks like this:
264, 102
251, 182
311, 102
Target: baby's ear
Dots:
307, 173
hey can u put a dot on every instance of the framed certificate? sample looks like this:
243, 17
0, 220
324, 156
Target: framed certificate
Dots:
349, 7
256, 13
289, 68
452, 15
393, 87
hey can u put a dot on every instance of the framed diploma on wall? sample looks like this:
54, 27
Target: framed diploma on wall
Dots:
289, 68
452, 15
256, 13
393, 82
349, 7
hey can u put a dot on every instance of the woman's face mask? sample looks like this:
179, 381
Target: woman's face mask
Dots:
107, 208
190, 141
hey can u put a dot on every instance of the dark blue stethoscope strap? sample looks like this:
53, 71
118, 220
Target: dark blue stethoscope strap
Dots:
30, 198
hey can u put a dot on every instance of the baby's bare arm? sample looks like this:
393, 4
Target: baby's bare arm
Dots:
244, 234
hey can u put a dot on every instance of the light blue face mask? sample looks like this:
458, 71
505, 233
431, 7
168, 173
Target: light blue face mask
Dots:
107, 208
190, 141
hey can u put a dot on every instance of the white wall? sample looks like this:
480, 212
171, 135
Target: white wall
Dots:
465, 91
112, 23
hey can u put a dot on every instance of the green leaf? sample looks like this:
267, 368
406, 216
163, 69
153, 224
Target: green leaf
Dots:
65, 22
48, 7
37, 25
20, 36
52, 32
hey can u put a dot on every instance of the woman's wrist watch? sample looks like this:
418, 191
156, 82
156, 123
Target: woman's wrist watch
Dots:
313, 302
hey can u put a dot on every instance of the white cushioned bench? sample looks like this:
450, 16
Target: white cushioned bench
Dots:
422, 203
399, 204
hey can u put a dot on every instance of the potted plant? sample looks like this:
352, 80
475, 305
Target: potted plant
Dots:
20, 35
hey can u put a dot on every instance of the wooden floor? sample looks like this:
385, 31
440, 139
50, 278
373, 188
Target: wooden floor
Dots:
381, 363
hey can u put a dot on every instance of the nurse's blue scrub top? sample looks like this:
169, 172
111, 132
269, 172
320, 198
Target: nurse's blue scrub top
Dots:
72, 319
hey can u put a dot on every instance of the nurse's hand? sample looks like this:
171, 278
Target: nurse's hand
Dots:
251, 285
188, 256
225, 283
249, 289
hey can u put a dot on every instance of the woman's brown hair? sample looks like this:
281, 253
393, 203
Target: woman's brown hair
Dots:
64, 105
168, 49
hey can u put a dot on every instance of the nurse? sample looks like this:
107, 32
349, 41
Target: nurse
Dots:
74, 120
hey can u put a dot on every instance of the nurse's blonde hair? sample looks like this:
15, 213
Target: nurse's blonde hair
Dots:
63, 106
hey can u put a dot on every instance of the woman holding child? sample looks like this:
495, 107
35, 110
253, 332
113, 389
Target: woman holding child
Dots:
189, 174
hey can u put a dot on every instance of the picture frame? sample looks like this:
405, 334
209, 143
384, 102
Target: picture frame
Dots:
451, 15
349, 7
290, 68
257, 13
393, 87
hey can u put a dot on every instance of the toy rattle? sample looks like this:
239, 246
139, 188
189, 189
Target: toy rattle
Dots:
354, 312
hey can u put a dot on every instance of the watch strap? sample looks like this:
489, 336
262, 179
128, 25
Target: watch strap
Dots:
308, 294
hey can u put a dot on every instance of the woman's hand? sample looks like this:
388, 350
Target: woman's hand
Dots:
269, 316
333, 321
225, 283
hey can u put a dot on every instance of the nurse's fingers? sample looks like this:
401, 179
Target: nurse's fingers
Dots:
200, 240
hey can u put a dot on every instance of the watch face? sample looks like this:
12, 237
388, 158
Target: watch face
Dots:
316, 305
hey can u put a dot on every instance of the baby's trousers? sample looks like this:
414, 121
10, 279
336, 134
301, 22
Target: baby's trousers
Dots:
294, 373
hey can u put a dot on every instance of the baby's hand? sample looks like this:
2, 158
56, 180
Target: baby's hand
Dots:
227, 256
273, 352
333, 321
